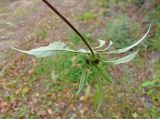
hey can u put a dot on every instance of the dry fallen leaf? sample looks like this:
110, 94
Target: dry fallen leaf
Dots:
50, 111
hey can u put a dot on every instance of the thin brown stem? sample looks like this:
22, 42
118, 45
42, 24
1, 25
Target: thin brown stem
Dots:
69, 24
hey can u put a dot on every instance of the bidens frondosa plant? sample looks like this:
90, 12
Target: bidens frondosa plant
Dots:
93, 57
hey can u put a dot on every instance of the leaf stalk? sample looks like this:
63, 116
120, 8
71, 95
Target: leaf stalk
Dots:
69, 24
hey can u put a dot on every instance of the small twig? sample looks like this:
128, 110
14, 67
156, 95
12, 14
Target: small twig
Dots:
69, 24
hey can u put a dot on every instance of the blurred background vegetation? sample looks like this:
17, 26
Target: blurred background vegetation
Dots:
45, 88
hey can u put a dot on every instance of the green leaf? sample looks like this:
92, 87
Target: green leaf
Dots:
97, 75
153, 83
123, 59
100, 93
130, 47
104, 75
82, 81
50, 50
148, 83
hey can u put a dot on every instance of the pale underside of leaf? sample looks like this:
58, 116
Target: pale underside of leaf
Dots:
123, 59
101, 44
110, 44
50, 50
130, 47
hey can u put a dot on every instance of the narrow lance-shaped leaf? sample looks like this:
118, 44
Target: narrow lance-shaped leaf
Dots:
82, 81
105, 75
130, 47
51, 49
100, 92
101, 44
123, 59
99, 88
110, 44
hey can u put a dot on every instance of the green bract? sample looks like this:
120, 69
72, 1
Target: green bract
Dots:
91, 62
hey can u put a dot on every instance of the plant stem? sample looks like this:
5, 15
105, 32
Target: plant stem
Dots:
69, 24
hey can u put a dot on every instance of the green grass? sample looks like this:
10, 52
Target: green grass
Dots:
122, 31
137, 2
110, 3
59, 70
153, 43
101, 3
41, 34
154, 15
3, 9
87, 16
21, 12
74, 38
152, 90
68, 68
75, 41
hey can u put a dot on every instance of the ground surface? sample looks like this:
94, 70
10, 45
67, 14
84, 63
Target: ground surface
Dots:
21, 19
45, 88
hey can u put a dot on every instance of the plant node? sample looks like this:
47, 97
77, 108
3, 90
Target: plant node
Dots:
92, 61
